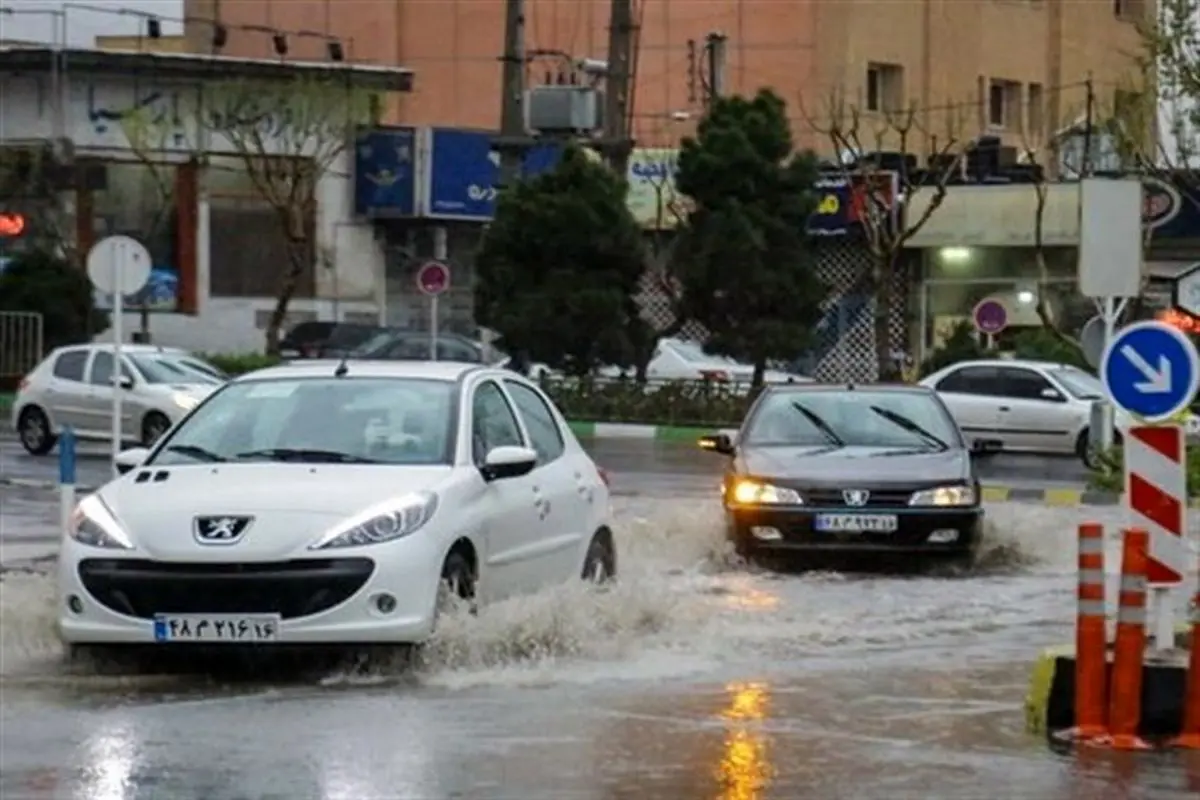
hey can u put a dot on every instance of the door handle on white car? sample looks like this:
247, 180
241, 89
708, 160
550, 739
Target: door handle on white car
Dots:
1005, 408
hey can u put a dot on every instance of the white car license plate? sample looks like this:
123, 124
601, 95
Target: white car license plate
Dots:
216, 628
856, 523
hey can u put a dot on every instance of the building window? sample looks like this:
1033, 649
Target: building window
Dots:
885, 87
1004, 104
1036, 113
1132, 10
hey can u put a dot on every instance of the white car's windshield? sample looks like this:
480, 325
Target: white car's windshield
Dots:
1079, 383
694, 353
319, 420
858, 418
170, 368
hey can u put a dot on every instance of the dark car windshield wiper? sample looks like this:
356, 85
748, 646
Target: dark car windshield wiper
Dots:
196, 452
910, 426
303, 454
824, 427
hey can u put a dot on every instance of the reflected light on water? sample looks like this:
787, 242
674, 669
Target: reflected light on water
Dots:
109, 762
745, 770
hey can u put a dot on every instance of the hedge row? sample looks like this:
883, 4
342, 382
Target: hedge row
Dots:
1109, 476
674, 403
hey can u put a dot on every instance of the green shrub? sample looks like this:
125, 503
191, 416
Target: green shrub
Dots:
675, 403
1039, 344
960, 345
1109, 476
234, 364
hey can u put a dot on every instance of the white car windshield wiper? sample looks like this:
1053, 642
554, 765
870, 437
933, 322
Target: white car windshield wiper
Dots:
907, 424
305, 454
824, 427
196, 452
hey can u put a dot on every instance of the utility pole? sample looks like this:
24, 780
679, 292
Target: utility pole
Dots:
618, 85
514, 139
715, 42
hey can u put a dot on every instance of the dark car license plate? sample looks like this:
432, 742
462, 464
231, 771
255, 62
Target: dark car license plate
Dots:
856, 523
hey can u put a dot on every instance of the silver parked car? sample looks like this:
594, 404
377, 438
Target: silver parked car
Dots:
73, 386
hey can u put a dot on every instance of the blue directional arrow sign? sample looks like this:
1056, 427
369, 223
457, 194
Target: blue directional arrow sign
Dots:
1151, 370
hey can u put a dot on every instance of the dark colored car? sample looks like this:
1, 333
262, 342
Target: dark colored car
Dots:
820, 468
415, 346
325, 339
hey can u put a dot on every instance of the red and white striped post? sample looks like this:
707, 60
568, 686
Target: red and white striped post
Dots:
1156, 495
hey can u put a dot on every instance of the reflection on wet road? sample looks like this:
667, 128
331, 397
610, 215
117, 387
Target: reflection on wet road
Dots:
692, 677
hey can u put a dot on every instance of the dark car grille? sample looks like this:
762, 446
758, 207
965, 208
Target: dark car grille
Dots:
298, 588
881, 498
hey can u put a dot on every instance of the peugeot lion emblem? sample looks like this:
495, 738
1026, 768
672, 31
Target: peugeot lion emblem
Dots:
856, 497
221, 530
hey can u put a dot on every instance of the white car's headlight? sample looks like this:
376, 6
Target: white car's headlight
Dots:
751, 493
184, 401
945, 496
382, 524
93, 524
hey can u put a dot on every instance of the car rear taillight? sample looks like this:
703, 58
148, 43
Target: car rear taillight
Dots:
604, 476
309, 351
23, 385
714, 375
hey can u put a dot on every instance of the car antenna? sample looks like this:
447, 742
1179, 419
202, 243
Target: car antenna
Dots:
342, 367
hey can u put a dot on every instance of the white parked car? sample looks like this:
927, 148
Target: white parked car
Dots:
1024, 405
73, 386
326, 504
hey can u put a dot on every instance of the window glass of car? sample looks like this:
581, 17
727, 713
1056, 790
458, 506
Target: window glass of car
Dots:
544, 433
1022, 384
319, 420
1078, 383
166, 368
101, 372
858, 418
493, 423
970, 380
69, 365
694, 353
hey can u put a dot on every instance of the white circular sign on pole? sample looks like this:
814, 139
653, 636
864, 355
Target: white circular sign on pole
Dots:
433, 278
117, 266
118, 261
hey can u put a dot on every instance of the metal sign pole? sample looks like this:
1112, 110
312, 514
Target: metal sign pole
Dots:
433, 327
119, 255
1110, 309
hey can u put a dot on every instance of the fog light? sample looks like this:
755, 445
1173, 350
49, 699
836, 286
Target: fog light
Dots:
385, 603
943, 536
75, 604
765, 533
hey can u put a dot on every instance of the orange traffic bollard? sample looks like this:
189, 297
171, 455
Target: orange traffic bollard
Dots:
1091, 640
1125, 692
1189, 736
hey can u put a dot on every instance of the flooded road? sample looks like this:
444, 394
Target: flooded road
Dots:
692, 677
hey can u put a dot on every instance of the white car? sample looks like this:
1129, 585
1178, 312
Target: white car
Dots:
1024, 405
74, 386
323, 503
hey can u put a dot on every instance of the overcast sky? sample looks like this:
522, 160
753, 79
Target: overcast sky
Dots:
83, 25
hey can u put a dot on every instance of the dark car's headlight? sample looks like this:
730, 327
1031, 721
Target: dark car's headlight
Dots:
748, 492
382, 524
945, 496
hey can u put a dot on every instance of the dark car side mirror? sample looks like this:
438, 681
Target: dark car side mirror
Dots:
717, 443
984, 448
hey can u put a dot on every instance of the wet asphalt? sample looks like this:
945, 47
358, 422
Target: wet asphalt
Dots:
693, 677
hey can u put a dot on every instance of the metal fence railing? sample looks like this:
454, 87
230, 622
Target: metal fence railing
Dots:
21, 342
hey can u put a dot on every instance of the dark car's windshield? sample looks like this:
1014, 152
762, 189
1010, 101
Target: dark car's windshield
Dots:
852, 418
319, 420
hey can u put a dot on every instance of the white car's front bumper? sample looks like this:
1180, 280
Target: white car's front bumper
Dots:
123, 581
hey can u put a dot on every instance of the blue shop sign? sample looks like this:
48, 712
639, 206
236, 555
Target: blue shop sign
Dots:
463, 172
385, 173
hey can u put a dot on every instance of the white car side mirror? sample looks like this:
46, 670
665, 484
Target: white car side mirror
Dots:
508, 462
132, 458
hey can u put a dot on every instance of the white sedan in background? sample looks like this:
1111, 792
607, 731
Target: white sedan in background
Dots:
74, 386
327, 504
1026, 405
